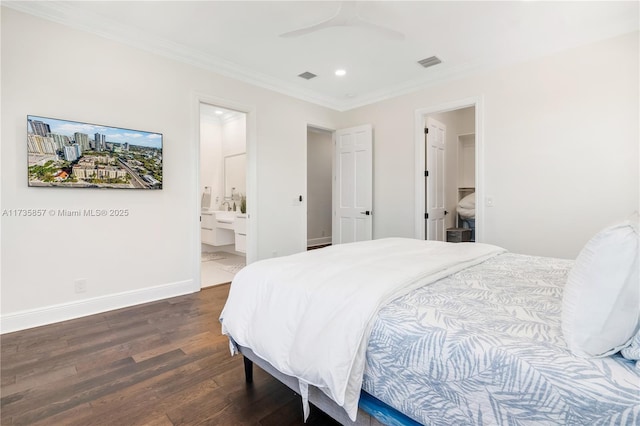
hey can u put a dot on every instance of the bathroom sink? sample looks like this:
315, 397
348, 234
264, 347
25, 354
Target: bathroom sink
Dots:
225, 216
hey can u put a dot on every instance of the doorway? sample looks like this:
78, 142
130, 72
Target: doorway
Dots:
223, 189
462, 174
319, 187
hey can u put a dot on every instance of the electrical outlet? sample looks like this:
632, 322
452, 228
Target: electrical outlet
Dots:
80, 286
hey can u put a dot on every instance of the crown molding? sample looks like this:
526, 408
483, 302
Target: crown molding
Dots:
66, 14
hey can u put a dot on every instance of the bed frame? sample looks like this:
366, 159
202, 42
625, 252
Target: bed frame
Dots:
316, 396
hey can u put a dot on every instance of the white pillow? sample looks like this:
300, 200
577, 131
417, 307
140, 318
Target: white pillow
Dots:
601, 302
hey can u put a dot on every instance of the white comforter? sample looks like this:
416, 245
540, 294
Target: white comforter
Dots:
310, 314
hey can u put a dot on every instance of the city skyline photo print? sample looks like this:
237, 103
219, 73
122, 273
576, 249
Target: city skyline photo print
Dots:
74, 154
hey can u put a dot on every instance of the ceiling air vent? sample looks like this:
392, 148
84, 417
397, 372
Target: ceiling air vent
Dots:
307, 75
429, 62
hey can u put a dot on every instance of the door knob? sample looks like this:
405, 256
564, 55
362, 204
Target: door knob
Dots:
366, 212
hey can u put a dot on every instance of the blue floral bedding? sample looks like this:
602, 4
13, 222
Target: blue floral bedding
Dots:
484, 346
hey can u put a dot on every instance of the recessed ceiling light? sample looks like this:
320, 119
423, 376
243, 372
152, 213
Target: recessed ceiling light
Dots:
219, 112
340, 73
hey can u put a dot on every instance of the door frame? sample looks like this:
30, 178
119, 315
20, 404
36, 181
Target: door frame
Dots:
419, 123
252, 181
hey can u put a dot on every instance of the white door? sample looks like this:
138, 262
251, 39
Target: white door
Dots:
434, 175
353, 190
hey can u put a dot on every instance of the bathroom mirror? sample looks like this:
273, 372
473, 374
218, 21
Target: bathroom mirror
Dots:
235, 175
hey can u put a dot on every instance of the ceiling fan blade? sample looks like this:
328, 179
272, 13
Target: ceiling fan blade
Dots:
346, 13
310, 29
389, 33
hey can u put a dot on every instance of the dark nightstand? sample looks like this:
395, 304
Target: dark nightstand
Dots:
458, 235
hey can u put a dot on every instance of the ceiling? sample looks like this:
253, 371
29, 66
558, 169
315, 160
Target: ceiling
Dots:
218, 114
242, 39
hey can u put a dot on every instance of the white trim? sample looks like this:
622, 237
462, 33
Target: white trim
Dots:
312, 242
101, 26
65, 311
419, 123
65, 13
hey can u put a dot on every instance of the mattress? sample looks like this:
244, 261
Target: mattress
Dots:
484, 346
309, 315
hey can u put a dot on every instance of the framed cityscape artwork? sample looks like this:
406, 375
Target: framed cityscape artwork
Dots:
73, 154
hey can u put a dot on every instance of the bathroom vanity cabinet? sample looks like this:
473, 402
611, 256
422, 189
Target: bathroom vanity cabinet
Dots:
241, 233
211, 233
221, 228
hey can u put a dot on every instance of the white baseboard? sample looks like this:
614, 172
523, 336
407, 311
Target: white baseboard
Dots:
318, 241
55, 313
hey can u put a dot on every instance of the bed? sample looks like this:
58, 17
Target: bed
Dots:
444, 334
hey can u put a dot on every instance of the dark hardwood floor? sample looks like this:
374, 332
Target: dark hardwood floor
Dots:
161, 363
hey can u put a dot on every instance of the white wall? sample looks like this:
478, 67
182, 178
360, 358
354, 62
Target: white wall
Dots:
467, 161
55, 71
560, 147
234, 135
319, 178
211, 155
234, 143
